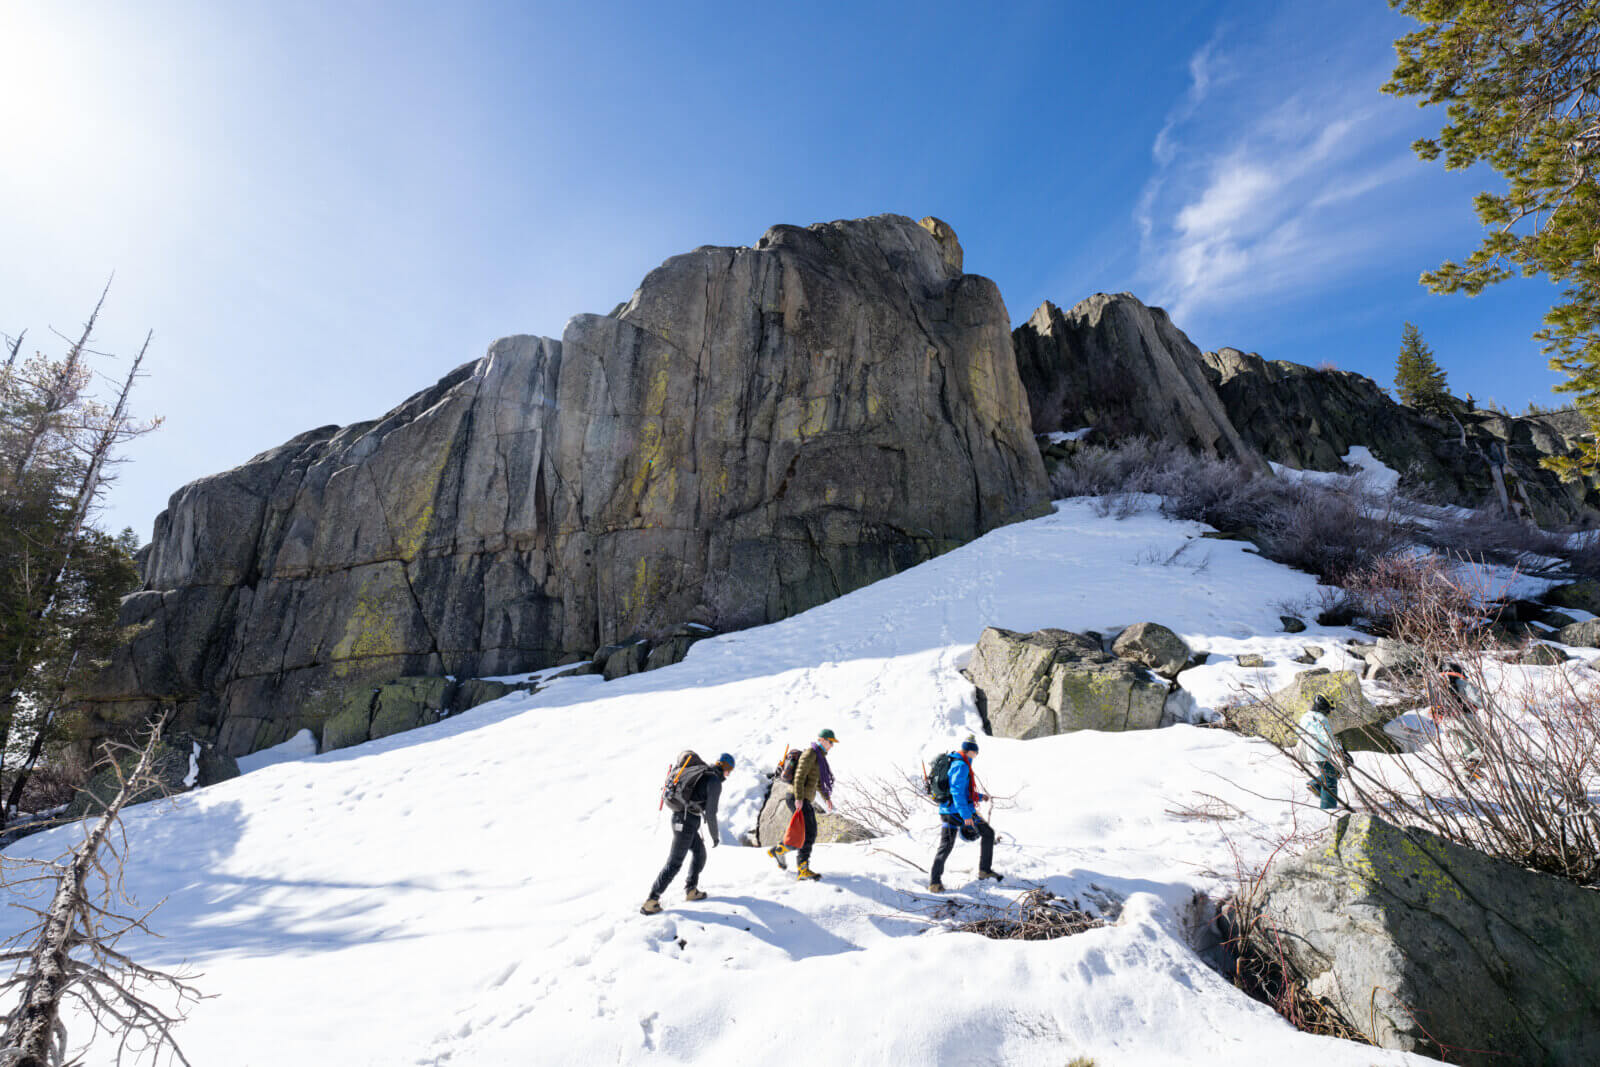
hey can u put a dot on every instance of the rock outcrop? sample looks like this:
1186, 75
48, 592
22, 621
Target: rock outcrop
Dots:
179, 763
1428, 946
1115, 364
1155, 646
1310, 418
1054, 682
756, 431
1123, 368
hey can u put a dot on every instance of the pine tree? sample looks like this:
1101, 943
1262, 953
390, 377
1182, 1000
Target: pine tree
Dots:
1419, 380
1520, 80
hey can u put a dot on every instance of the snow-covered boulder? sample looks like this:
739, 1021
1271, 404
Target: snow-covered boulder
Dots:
1421, 943
1155, 646
1053, 682
1584, 634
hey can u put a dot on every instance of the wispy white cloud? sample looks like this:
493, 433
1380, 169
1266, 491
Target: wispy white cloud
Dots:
1268, 184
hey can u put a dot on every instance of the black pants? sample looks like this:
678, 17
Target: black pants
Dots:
685, 839
947, 841
809, 814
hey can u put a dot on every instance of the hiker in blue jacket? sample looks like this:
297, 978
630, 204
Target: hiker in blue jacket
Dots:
960, 816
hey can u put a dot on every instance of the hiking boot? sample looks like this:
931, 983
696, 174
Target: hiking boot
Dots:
650, 907
776, 852
989, 874
693, 893
936, 887
806, 874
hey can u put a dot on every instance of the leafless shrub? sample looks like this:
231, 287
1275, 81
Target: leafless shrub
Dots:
1033, 915
1484, 536
1037, 915
1178, 557
70, 955
1504, 763
1206, 807
1327, 530
884, 805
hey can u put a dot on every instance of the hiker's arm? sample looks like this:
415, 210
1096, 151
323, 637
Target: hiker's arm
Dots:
713, 794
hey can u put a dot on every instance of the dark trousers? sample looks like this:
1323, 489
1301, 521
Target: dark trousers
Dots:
947, 841
809, 814
685, 839
1326, 784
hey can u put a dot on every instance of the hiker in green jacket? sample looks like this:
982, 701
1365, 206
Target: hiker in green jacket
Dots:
812, 776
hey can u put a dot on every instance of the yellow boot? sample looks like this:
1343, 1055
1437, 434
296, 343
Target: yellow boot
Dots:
806, 874
776, 852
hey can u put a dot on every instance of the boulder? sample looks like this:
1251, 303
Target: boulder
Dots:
626, 659
1292, 624
1542, 655
403, 704
1250, 659
676, 646
1584, 634
1276, 717
755, 432
1389, 658
1584, 596
1053, 682
1428, 946
1155, 646
779, 807
181, 763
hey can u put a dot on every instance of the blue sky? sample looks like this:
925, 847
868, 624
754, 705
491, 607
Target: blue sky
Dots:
320, 208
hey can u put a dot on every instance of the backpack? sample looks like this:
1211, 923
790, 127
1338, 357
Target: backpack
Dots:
682, 774
937, 780
787, 765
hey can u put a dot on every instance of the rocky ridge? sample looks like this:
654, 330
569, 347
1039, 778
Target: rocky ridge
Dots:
756, 431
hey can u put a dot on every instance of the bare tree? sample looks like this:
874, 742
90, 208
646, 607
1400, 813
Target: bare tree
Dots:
69, 957
57, 445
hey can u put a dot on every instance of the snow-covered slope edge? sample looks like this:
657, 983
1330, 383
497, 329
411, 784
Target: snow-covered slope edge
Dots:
467, 893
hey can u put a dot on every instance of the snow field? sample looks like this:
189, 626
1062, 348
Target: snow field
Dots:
467, 893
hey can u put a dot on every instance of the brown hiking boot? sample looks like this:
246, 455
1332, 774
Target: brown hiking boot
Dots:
988, 874
650, 907
936, 887
693, 893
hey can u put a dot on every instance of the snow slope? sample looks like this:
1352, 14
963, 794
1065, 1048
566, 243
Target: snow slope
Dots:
467, 893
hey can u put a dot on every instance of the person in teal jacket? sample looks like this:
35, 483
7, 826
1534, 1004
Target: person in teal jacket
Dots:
959, 815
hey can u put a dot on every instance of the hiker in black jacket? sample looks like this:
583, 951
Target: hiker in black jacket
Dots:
700, 799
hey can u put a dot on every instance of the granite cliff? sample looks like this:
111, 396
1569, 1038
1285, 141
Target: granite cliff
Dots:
756, 431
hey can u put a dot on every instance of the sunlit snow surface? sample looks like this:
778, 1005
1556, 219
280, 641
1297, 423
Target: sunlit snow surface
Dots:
467, 893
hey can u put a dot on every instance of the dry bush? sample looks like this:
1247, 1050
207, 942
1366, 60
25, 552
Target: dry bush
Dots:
1518, 776
1487, 537
885, 805
1033, 915
1322, 529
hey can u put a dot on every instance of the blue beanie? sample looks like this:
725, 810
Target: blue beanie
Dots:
969, 745
726, 759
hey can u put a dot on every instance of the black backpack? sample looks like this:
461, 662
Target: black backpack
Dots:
937, 780
682, 775
787, 764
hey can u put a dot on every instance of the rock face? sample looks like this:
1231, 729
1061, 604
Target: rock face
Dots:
1308, 418
1053, 682
1113, 363
1420, 943
756, 431
372, 712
